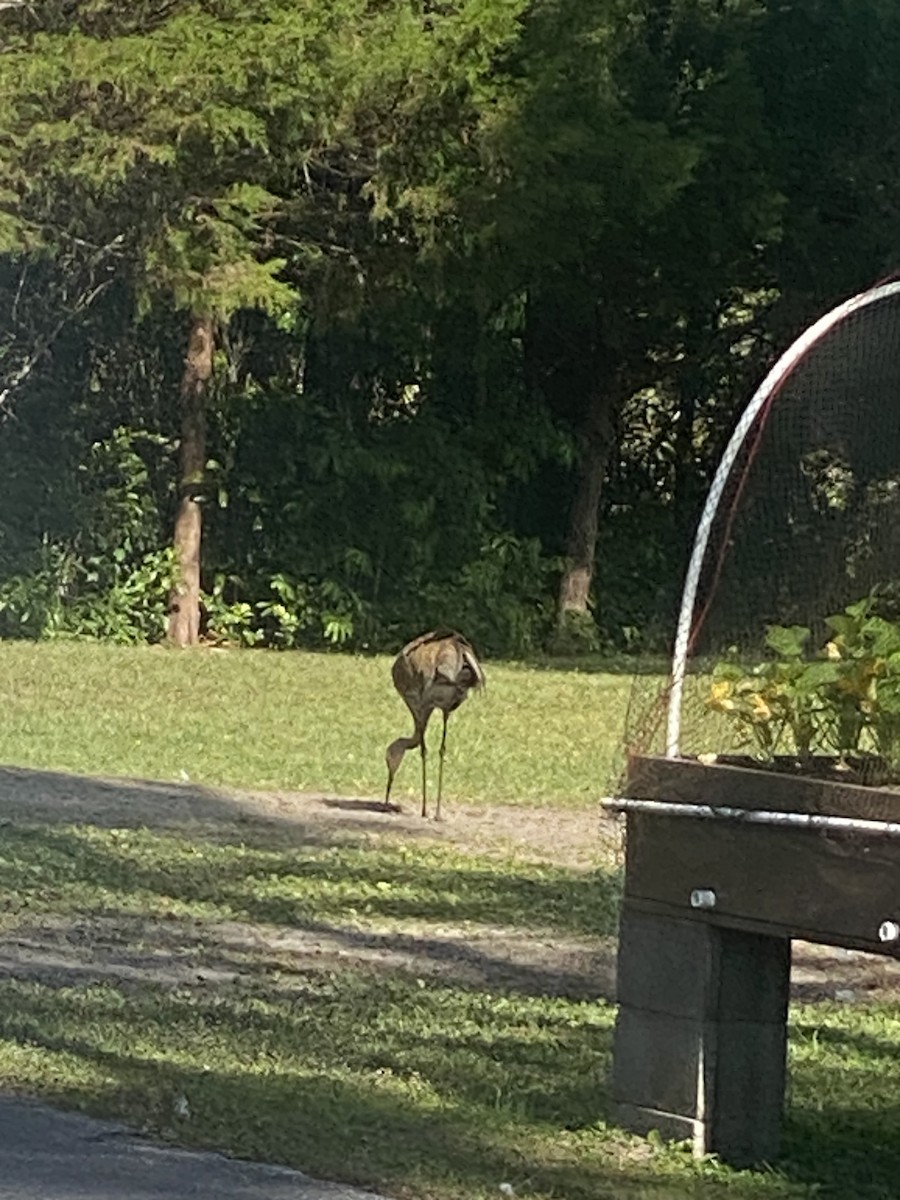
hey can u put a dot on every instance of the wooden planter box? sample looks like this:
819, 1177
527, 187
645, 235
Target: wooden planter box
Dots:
712, 901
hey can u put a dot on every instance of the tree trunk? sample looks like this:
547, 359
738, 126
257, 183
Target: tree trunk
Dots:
573, 363
581, 548
184, 603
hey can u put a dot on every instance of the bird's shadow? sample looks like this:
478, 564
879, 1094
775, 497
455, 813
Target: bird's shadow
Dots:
360, 805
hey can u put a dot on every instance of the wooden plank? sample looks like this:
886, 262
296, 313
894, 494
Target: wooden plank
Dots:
686, 781
772, 929
787, 882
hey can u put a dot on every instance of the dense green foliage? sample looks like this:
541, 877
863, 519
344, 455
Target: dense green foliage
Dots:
481, 272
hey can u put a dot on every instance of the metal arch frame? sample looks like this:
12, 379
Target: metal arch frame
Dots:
763, 393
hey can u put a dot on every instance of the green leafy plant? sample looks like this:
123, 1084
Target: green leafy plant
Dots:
66, 596
109, 578
501, 596
33, 603
842, 700
133, 607
779, 698
865, 700
300, 612
230, 620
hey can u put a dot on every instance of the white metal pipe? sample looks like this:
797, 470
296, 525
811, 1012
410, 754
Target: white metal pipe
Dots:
770, 384
753, 816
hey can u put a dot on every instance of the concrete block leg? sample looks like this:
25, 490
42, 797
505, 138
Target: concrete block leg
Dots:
700, 1040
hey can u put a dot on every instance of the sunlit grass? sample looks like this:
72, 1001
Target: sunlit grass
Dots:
420, 1089
301, 721
208, 984
425, 1086
844, 1098
80, 870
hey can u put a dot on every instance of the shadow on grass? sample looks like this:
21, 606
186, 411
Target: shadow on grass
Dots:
844, 1103
844, 1152
297, 888
56, 798
367, 1071
432, 1093
137, 951
93, 904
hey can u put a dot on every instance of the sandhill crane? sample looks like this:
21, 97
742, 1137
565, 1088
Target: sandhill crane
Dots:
436, 670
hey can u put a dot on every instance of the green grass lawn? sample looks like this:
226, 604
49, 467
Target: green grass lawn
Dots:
254, 1015
301, 721
422, 1085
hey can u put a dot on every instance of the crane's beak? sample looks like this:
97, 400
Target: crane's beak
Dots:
388, 807
393, 757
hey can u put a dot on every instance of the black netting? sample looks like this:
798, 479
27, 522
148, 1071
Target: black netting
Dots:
808, 524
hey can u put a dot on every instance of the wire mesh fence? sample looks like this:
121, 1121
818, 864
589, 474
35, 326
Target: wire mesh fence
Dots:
788, 643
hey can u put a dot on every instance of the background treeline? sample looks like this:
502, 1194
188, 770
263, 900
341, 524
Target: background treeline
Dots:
324, 323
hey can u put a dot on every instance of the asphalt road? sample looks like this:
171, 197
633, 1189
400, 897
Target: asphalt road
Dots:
50, 1155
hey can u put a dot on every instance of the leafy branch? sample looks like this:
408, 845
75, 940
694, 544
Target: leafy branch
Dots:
83, 301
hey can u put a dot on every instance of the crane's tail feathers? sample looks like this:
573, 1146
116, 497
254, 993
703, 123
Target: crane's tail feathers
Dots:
477, 675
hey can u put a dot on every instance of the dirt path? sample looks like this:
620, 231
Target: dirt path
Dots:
206, 952
574, 838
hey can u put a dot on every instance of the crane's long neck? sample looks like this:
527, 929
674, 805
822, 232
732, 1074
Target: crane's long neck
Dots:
395, 752
398, 748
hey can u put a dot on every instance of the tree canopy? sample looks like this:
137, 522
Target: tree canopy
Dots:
436, 312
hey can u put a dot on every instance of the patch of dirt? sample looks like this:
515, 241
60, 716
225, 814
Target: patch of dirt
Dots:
834, 973
190, 952
182, 951
203, 953
576, 838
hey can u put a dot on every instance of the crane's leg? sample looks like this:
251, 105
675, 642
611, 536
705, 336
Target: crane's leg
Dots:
424, 778
437, 813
